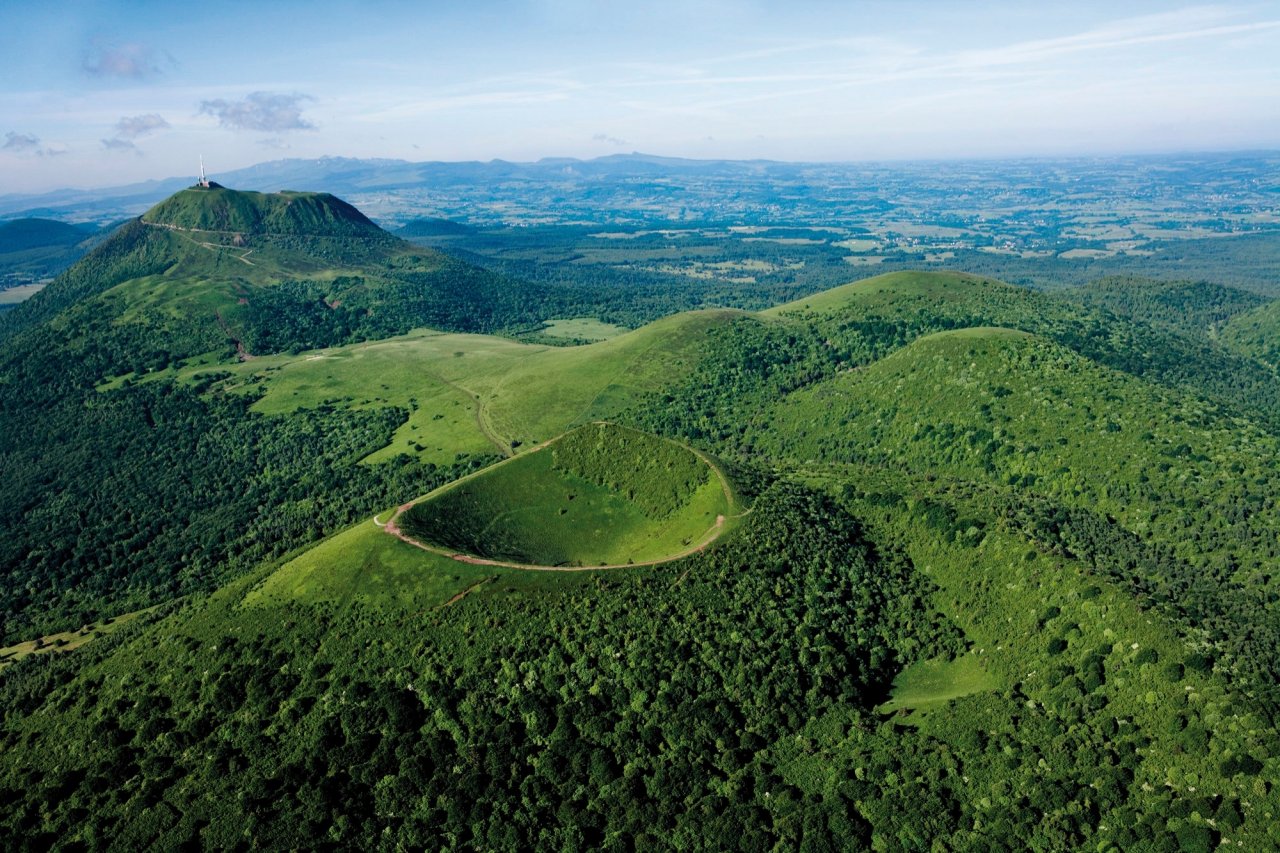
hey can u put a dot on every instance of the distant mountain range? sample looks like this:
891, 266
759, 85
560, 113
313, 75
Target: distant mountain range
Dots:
637, 181
346, 175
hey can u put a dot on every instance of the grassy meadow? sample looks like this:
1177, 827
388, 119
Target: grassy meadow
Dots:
470, 393
581, 329
929, 685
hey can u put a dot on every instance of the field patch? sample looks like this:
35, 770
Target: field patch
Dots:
931, 684
601, 495
582, 329
20, 293
66, 641
467, 394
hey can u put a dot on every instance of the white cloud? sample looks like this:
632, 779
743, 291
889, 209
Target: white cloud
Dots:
133, 127
22, 143
270, 112
131, 60
29, 143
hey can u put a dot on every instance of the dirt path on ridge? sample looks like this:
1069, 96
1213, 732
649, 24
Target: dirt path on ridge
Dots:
710, 536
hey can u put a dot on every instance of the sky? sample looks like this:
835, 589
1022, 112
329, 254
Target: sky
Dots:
115, 91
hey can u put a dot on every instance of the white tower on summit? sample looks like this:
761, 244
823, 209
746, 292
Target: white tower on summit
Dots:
204, 182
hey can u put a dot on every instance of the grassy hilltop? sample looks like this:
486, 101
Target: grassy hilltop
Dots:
1005, 582
215, 272
218, 209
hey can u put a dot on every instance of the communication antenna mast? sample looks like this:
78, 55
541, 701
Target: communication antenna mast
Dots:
204, 182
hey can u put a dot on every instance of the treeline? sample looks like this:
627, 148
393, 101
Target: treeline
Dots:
658, 476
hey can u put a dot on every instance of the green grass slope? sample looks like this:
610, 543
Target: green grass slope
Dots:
364, 567
599, 495
902, 290
878, 314
934, 684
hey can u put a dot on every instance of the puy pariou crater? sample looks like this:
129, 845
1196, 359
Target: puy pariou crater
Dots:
600, 495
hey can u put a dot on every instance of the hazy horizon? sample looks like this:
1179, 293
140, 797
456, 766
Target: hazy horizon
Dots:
215, 174
99, 94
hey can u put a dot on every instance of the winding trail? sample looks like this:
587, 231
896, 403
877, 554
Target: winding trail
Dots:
482, 420
461, 595
186, 232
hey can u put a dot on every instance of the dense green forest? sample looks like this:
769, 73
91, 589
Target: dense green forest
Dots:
1254, 333
994, 568
1195, 308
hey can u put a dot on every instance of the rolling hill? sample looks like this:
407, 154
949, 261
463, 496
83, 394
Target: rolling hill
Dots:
22, 235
